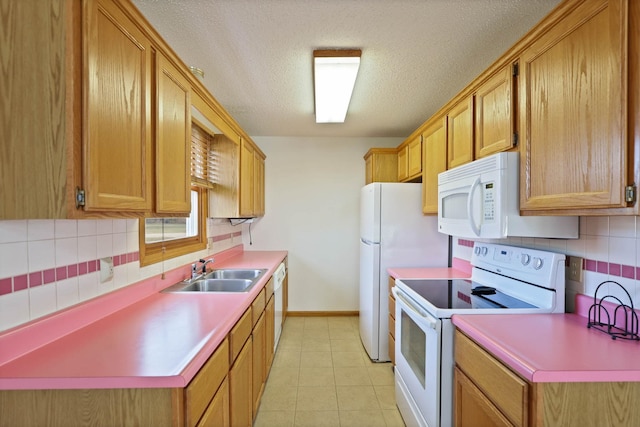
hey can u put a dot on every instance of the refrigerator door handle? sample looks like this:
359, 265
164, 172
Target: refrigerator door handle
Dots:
367, 242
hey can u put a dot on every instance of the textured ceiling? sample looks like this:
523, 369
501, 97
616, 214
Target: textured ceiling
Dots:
416, 55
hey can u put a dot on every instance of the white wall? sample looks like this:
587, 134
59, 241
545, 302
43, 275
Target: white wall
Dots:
312, 188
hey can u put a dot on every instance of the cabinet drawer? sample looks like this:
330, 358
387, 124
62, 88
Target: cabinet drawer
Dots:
505, 389
239, 334
392, 326
203, 386
392, 283
392, 306
257, 307
392, 349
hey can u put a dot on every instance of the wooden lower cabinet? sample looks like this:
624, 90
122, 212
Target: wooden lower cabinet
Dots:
270, 318
200, 392
225, 392
259, 361
472, 407
240, 388
488, 393
217, 414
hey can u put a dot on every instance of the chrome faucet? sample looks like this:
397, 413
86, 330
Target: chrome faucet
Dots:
194, 267
204, 264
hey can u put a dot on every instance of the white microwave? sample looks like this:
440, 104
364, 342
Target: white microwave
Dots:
481, 199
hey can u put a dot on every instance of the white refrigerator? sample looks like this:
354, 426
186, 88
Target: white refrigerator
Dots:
393, 233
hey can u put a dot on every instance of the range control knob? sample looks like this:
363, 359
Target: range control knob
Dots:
525, 259
485, 250
477, 250
538, 263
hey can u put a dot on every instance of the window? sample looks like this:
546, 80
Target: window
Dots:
169, 237
167, 229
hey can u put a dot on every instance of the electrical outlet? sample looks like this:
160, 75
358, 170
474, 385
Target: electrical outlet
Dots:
575, 269
106, 269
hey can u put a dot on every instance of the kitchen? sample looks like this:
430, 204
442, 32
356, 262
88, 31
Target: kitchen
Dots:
607, 243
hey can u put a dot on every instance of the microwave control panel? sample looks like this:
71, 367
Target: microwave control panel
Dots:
489, 202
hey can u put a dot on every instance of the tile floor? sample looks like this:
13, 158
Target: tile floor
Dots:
322, 376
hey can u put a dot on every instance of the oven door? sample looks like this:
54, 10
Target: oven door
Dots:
418, 348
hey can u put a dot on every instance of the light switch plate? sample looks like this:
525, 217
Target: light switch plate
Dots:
106, 269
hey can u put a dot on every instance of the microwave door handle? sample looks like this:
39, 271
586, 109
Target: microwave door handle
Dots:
424, 315
474, 227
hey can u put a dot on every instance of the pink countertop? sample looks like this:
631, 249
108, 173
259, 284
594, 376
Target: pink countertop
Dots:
553, 347
161, 340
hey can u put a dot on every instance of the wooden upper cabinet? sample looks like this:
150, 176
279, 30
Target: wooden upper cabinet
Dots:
35, 77
403, 162
410, 160
173, 139
381, 165
258, 183
434, 140
494, 124
460, 133
414, 162
573, 110
116, 117
246, 178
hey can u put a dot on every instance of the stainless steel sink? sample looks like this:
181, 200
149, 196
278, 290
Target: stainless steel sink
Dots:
235, 273
222, 280
219, 285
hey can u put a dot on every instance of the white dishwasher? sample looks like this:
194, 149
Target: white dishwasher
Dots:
278, 279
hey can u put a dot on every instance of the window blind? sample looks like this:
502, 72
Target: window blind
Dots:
201, 159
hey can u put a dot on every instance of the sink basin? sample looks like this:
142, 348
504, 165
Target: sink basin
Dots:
219, 285
222, 280
234, 273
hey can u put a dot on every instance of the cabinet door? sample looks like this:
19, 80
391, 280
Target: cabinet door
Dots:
368, 170
258, 184
435, 161
246, 179
259, 354
414, 161
270, 318
202, 388
33, 135
173, 139
460, 133
240, 383
403, 163
494, 114
217, 413
472, 408
116, 120
381, 165
572, 103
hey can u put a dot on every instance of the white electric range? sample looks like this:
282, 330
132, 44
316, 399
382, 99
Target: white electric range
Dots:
504, 280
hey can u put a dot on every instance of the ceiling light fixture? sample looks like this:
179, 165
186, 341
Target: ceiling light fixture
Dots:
334, 73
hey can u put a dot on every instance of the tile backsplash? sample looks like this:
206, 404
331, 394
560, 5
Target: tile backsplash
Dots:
48, 265
609, 246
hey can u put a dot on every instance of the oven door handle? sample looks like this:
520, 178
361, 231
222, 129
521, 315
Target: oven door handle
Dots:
428, 319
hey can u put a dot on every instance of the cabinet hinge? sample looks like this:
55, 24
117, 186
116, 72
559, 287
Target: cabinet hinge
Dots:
515, 69
515, 139
630, 194
79, 198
